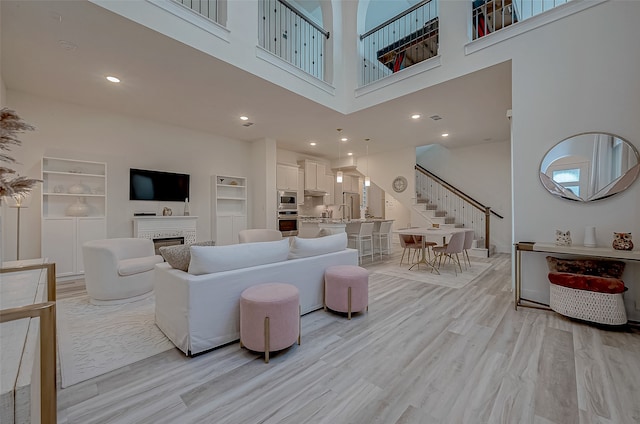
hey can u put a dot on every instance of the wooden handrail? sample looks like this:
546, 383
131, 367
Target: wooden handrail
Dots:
457, 192
51, 276
473, 202
47, 313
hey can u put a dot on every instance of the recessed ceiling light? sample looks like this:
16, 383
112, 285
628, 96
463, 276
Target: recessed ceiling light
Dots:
445, 134
244, 118
313, 143
416, 116
113, 79
344, 139
350, 154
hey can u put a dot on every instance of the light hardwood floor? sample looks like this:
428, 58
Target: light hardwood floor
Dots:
422, 354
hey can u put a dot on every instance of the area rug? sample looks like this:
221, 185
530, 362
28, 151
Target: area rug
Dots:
94, 340
447, 277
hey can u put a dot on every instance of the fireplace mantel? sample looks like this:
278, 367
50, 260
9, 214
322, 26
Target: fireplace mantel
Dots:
154, 227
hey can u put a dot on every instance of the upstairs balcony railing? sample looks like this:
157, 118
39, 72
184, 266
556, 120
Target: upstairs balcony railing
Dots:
404, 40
492, 15
287, 33
206, 8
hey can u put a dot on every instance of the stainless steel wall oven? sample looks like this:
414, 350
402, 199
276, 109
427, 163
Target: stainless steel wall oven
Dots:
288, 223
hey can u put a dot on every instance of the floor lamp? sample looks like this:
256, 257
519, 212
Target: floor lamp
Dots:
18, 201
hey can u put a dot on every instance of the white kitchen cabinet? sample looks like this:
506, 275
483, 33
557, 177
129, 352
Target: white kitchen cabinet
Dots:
300, 186
329, 198
286, 177
314, 176
62, 240
74, 205
228, 208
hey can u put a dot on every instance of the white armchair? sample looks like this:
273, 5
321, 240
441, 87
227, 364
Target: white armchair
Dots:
119, 270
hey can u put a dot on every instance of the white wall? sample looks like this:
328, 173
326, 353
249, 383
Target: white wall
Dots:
263, 206
78, 132
574, 79
482, 172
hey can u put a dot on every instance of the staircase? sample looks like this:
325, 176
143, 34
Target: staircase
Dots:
438, 202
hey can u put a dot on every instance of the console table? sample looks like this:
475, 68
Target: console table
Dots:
596, 252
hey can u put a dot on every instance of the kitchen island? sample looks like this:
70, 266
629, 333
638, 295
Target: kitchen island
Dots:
310, 227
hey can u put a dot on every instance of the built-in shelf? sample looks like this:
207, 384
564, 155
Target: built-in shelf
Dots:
67, 182
229, 208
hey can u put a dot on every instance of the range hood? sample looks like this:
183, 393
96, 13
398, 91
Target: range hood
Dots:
315, 193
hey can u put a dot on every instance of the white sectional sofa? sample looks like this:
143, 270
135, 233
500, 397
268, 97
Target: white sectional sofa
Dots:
199, 310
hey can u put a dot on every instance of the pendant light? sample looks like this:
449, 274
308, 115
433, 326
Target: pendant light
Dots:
367, 180
339, 173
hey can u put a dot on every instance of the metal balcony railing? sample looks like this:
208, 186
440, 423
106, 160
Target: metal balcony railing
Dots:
206, 8
404, 40
287, 33
492, 15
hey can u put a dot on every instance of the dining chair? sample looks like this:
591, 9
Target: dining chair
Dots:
451, 250
365, 235
383, 235
468, 241
407, 242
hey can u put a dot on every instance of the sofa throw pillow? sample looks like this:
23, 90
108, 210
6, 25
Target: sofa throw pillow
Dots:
206, 260
179, 256
599, 267
305, 247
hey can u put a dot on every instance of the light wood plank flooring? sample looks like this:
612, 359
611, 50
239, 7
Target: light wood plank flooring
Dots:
422, 354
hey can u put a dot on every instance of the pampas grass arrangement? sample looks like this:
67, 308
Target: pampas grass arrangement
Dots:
11, 184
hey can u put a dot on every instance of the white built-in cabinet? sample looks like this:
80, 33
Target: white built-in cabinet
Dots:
314, 176
228, 208
74, 206
287, 177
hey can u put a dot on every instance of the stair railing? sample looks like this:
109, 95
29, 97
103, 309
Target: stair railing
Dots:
46, 311
464, 208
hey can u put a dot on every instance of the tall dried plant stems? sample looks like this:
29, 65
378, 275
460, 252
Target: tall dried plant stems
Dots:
10, 125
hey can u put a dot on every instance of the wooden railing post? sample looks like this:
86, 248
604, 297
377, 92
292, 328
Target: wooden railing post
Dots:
487, 229
47, 313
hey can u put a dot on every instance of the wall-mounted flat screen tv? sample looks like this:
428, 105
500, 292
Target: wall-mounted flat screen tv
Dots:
158, 185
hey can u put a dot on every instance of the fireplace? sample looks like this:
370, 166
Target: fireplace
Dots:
166, 241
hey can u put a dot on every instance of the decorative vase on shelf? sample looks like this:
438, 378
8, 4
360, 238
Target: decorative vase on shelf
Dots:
79, 208
186, 207
77, 189
590, 237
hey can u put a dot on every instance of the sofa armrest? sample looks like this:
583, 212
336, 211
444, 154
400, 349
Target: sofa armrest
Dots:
138, 265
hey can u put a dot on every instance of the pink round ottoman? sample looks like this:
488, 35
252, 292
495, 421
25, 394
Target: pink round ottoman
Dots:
346, 289
269, 317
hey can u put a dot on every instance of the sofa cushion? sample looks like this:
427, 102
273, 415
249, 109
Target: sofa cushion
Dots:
587, 282
178, 256
597, 267
205, 260
137, 265
305, 247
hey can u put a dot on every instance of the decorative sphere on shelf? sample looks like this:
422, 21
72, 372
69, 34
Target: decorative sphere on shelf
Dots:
78, 189
79, 208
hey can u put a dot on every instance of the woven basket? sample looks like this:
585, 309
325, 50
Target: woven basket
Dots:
603, 308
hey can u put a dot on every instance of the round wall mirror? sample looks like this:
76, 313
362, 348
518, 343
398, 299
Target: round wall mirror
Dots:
590, 166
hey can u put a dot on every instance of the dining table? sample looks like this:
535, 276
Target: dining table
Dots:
425, 232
